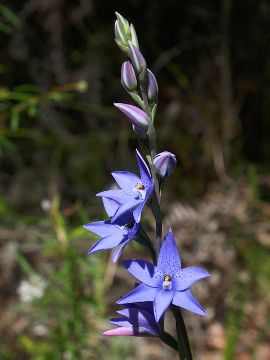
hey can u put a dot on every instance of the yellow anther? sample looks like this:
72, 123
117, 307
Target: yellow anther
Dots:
167, 278
140, 187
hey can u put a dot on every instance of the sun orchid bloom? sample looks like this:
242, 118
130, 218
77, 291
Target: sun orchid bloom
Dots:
117, 235
134, 191
165, 283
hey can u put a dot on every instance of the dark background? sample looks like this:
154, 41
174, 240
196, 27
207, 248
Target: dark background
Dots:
60, 137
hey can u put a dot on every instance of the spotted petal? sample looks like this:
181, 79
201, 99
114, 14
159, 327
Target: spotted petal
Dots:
169, 260
162, 301
184, 278
144, 271
127, 181
186, 300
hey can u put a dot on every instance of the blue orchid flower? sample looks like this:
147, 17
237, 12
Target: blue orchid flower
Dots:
165, 283
133, 193
117, 235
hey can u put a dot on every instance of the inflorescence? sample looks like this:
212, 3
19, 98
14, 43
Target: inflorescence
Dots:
164, 283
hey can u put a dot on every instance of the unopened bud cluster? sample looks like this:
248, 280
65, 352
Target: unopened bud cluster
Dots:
136, 79
124, 32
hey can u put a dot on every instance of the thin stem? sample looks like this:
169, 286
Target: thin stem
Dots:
169, 340
158, 218
156, 198
184, 350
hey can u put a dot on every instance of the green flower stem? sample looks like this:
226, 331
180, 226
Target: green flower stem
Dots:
184, 350
182, 346
156, 198
157, 214
169, 340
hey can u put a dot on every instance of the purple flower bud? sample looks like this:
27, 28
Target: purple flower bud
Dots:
152, 87
137, 59
165, 163
128, 76
137, 117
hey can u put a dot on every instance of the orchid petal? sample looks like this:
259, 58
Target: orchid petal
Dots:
117, 253
133, 233
116, 195
162, 302
124, 208
140, 293
144, 170
120, 322
127, 181
144, 271
139, 317
106, 243
110, 206
129, 331
138, 212
169, 261
186, 300
150, 188
102, 228
184, 278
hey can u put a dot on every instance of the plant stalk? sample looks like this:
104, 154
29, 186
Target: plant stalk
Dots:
184, 350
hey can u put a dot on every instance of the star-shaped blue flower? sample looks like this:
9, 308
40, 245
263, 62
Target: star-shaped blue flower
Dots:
117, 235
165, 283
136, 320
134, 191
